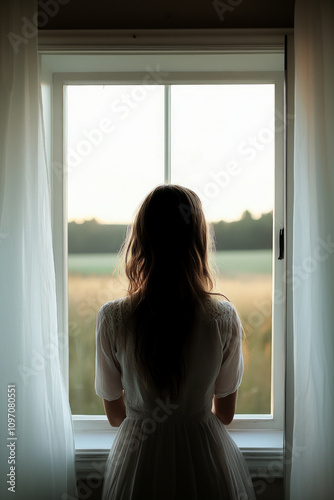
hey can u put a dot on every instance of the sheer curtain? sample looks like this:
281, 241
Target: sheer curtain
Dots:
37, 445
313, 258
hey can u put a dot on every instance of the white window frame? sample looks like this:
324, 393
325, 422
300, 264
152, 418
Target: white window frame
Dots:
262, 433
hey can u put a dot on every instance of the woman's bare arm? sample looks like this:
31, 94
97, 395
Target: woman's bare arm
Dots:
115, 411
224, 408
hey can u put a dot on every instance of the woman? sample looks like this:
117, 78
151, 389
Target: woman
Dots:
169, 363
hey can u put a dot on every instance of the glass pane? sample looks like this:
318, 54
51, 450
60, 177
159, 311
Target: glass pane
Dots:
114, 157
223, 148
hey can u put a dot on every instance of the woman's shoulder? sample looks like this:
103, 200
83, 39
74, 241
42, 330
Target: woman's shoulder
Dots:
217, 309
115, 309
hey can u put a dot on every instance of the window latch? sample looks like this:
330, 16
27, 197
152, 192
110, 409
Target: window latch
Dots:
281, 245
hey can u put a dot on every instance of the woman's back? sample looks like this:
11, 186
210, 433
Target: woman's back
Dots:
203, 358
165, 448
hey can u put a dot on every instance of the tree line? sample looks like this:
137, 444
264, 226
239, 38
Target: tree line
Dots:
247, 233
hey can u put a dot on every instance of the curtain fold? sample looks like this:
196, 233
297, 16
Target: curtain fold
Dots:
37, 442
313, 255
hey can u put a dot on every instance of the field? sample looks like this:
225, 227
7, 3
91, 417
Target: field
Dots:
244, 276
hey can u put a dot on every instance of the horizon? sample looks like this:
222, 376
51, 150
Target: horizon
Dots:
103, 222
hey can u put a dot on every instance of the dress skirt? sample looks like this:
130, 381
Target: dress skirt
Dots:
182, 458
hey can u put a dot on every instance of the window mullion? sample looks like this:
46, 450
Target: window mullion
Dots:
167, 133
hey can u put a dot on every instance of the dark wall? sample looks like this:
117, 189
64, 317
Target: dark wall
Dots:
270, 489
165, 14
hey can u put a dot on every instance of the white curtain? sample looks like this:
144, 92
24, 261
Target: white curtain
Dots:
312, 469
37, 445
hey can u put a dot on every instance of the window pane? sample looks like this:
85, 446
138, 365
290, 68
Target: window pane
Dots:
222, 147
114, 157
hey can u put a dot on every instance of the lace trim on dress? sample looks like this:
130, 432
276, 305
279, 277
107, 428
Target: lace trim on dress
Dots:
219, 310
222, 312
114, 312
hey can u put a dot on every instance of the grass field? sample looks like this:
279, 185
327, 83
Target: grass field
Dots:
244, 276
229, 263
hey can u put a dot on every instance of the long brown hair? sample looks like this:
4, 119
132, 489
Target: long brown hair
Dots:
166, 255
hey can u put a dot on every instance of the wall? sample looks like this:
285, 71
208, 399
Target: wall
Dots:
273, 491
166, 14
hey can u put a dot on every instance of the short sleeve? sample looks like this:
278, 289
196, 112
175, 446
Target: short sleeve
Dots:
232, 368
108, 383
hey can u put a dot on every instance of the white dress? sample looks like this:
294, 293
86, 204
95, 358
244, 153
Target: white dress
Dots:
174, 450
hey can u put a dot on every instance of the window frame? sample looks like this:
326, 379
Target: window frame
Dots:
54, 96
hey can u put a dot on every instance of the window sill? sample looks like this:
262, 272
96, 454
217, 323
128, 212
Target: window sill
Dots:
262, 450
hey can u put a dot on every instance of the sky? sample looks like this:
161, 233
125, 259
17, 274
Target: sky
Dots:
222, 147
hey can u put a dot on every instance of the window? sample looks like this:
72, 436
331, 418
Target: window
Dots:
116, 135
